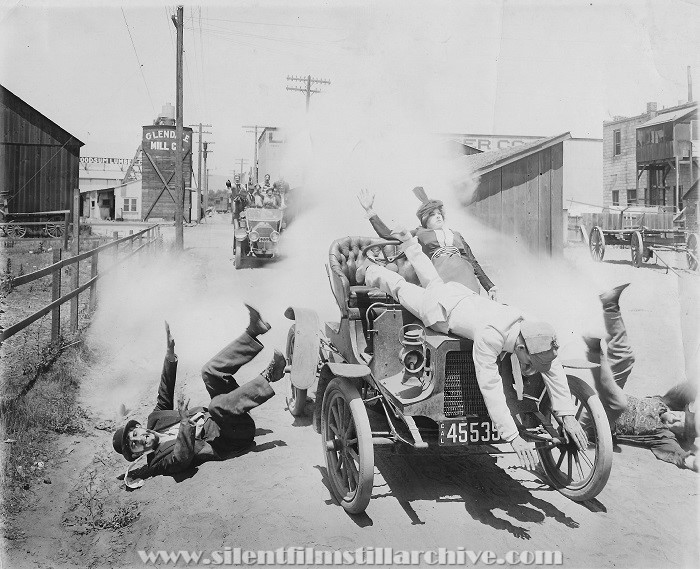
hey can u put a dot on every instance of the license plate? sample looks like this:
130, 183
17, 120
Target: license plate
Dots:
468, 432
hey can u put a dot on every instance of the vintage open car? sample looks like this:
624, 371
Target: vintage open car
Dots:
422, 386
257, 233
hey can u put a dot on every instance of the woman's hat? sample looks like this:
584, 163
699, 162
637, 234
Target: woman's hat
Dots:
427, 205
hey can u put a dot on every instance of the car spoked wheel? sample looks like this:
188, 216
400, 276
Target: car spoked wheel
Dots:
347, 445
296, 398
579, 475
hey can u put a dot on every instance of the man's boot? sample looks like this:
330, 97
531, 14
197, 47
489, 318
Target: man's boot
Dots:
275, 369
611, 298
257, 325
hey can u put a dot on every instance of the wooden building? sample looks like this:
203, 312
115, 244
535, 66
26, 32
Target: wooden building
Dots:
158, 171
664, 153
39, 160
646, 158
519, 193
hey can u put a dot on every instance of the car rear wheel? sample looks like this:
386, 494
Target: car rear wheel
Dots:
347, 445
579, 475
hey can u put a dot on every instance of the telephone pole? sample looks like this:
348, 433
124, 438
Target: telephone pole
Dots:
206, 177
179, 189
308, 90
241, 162
199, 166
255, 147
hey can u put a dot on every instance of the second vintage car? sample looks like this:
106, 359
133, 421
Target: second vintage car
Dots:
257, 234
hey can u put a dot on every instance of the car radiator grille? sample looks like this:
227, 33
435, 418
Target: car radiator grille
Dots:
462, 393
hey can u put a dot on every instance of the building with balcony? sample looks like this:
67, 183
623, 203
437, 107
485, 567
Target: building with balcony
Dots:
647, 158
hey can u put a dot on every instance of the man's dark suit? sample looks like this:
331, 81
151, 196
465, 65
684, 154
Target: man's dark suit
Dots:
227, 425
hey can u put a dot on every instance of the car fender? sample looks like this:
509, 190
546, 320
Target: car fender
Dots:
354, 373
307, 343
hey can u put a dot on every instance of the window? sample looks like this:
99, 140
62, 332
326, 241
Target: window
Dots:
616, 197
129, 204
631, 197
617, 142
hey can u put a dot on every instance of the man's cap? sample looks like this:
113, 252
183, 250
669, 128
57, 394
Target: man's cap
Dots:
541, 343
120, 440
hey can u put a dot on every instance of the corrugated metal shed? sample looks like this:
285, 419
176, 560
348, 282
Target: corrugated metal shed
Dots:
39, 159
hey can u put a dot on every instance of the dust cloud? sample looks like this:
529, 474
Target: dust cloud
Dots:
390, 163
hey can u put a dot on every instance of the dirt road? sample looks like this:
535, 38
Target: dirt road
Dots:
276, 496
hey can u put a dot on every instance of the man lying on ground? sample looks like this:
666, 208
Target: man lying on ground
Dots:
447, 249
657, 422
495, 328
173, 440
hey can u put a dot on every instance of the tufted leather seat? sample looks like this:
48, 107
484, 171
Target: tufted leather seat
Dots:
343, 258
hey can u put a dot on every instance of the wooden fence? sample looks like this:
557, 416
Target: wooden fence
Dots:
144, 239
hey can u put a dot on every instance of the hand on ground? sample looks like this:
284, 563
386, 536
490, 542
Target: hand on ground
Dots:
526, 453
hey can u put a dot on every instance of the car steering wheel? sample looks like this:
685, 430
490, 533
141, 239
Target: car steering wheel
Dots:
376, 253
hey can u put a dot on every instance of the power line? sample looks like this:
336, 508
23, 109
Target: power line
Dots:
271, 24
153, 108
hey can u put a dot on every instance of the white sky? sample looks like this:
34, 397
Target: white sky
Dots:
501, 67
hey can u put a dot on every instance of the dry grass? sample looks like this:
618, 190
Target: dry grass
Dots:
40, 379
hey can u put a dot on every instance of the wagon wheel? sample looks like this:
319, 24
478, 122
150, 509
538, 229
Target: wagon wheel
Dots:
637, 248
347, 444
691, 251
596, 243
238, 255
54, 230
579, 475
15, 229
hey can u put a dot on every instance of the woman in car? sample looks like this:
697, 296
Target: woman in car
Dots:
447, 249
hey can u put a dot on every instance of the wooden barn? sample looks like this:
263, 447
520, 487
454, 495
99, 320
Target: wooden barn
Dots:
519, 193
40, 160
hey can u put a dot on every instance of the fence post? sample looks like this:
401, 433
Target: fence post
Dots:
76, 266
66, 222
131, 241
55, 295
93, 286
115, 236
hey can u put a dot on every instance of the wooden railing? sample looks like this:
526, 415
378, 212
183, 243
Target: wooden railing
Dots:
145, 239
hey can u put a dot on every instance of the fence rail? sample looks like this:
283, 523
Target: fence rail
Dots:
151, 235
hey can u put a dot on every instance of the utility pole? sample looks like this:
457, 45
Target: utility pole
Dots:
199, 166
255, 147
206, 177
308, 90
179, 189
241, 162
